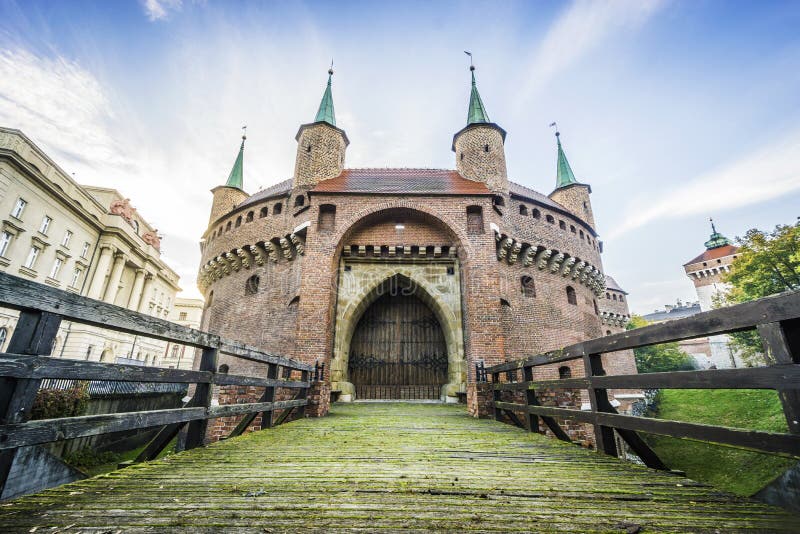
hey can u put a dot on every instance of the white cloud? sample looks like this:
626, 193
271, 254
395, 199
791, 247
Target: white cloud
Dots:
59, 103
160, 9
767, 173
578, 31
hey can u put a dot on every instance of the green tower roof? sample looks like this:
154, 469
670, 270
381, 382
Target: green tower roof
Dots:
476, 113
236, 177
564, 174
326, 113
717, 240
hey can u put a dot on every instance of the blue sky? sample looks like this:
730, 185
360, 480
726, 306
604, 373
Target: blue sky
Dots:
674, 111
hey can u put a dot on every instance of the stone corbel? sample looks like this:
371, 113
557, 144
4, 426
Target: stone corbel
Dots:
298, 244
542, 257
512, 258
567, 268
272, 253
257, 256
578, 268
232, 261
527, 257
505, 245
244, 257
226, 268
286, 248
555, 263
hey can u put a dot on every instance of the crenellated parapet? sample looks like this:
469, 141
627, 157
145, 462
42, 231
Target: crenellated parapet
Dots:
614, 319
510, 251
290, 247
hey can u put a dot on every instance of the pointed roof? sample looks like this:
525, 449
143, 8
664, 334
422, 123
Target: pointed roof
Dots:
236, 177
326, 112
476, 112
564, 174
717, 240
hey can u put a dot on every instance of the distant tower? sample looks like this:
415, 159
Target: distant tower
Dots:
479, 146
706, 271
570, 193
321, 145
232, 193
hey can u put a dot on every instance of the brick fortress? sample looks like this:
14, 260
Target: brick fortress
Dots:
400, 280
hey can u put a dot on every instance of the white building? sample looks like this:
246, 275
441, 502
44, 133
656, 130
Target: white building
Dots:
185, 312
87, 240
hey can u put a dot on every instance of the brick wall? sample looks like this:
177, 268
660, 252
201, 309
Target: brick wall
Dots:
480, 156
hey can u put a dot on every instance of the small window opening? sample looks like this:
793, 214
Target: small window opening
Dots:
277, 209
537, 214
251, 286
596, 310
223, 369
263, 212
528, 286
348, 268
523, 209
562, 225
249, 217
486, 148
327, 217
451, 270
308, 147
238, 221
564, 372
462, 156
228, 227
299, 201
550, 219
572, 298
474, 220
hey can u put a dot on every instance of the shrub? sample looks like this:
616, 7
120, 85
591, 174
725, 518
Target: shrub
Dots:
55, 403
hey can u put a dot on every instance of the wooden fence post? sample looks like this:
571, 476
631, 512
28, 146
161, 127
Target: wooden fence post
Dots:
33, 335
304, 376
496, 396
778, 340
598, 398
530, 399
196, 431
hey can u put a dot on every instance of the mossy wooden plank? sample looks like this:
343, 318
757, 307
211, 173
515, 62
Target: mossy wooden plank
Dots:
390, 467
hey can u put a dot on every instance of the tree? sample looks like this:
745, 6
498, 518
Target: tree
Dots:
659, 358
765, 264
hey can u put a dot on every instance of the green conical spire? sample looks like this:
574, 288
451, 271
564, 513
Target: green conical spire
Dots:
326, 113
717, 240
236, 177
564, 176
476, 113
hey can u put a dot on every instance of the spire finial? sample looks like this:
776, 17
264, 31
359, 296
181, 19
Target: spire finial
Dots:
330, 71
564, 174
555, 126
244, 133
713, 228
325, 113
476, 112
236, 177
471, 65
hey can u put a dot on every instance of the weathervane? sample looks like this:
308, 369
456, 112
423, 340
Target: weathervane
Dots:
555, 126
244, 132
713, 228
330, 70
471, 66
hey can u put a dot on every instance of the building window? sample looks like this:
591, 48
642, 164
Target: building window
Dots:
564, 372
3, 336
596, 310
572, 229
209, 300
608, 296
19, 207
263, 212
581, 234
182, 316
550, 219
621, 299
294, 303
528, 286
238, 221
5, 241
85, 251
176, 351
613, 296
30, 261
249, 217
67, 237
228, 227
523, 209
251, 286
474, 220
299, 201
135, 225
608, 332
89, 351
327, 217
572, 298
76, 276
486, 148
536, 214
45, 225
562, 225
277, 209
56, 268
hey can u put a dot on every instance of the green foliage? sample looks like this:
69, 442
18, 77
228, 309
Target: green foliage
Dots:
55, 403
86, 459
659, 358
766, 263
738, 471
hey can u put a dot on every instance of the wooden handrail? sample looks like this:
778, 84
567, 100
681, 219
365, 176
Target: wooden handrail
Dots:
777, 320
27, 362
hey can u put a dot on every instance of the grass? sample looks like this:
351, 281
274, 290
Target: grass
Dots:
97, 463
740, 472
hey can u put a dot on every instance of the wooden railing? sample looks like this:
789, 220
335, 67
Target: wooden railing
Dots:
25, 364
777, 320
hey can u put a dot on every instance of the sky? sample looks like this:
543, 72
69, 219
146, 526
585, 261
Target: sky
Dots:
673, 111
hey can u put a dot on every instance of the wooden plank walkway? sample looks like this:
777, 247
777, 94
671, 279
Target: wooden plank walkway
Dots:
390, 467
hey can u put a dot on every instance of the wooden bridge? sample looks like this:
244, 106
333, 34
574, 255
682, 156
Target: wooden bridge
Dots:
377, 466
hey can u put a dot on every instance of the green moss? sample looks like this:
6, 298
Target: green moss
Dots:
740, 472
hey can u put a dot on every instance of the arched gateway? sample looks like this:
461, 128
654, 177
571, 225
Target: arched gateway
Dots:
398, 330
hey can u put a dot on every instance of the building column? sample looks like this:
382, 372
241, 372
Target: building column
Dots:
136, 292
148, 284
96, 288
115, 278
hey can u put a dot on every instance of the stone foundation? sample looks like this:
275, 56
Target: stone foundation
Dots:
319, 399
479, 400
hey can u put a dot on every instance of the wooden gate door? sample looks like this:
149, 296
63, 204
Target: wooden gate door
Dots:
398, 351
